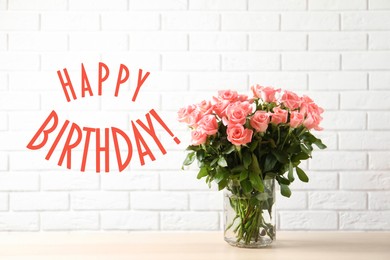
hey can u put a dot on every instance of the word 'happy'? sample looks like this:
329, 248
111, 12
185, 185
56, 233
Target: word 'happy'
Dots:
76, 133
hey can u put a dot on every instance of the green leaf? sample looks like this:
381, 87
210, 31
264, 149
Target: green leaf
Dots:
255, 165
319, 144
246, 186
290, 175
244, 175
222, 184
280, 156
222, 161
203, 172
189, 159
221, 174
213, 162
301, 174
247, 159
270, 162
305, 149
262, 196
229, 150
281, 180
256, 181
253, 145
200, 155
270, 175
238, 169
285, 190
300, 156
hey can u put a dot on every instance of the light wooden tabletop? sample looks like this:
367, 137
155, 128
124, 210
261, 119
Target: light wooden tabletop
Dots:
192, 245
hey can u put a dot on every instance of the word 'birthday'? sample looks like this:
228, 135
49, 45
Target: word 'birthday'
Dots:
72, 134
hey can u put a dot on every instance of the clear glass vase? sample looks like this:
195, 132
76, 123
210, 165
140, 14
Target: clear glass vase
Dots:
249, 221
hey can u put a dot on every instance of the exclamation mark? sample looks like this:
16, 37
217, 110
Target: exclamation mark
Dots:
158, 118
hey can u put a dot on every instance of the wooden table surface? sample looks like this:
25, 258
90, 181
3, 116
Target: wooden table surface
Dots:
192, 245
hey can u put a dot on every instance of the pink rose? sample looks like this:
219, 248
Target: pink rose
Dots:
205, 107
208, 124
238, 135
198, 137
229, 95
184, 112
267, 94
259, 121
291, 100
279, 116
296, 119
312, 121
237, 112
220, 107
193, 118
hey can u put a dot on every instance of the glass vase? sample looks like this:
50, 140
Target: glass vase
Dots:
249, 220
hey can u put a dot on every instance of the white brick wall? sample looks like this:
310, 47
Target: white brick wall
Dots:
336, 51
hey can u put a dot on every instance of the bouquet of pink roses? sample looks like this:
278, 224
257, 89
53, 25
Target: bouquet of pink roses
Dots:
240, 142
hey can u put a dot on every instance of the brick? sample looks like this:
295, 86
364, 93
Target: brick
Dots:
364, 220
57, 101
166, 41
19, 101
123, 101
17, 21
218, 41
98, 200
337, 5
308, 220
18, 221
291, 80
3, 121
366, 61
379, 200
54, 5
277, 5
358, 21
3, 201
38, 42
98, 41
367, 140
329, 138
147, 200
3, 42
251, 61
337, 41
181, 181
304, 21
338, 80
190, 21
317, 181
14, 141
18, 61
218, 80
339, 160
325, 99
161, 81
173, 101
340, 120
310, 61
3, 81
3, 162
69, 21
39, 201
298, 200
147, 61
379, 80
131, 220
379, 120
19, 181
219, 5
69, 221
100, 5
69, 181
278, 41
373, 100
72, 62
379, 41
32, 160
250, 21
337, 200
130, 181
368, 180
378, 160
3, 4
169, 161
33, 81
189, 221
378, 4
168, 5
133, 21
206, 200
190, 61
